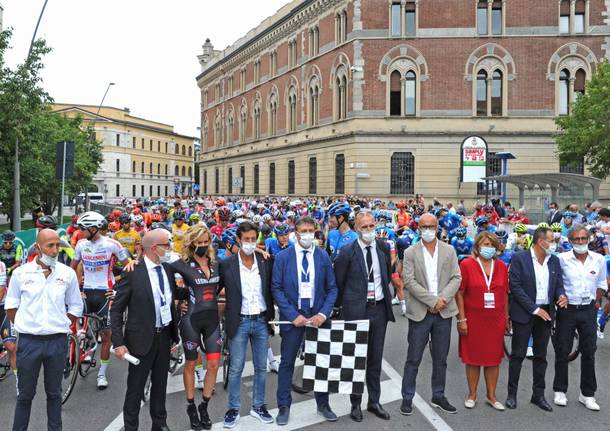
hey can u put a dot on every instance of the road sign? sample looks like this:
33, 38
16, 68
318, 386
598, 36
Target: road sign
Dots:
473, 159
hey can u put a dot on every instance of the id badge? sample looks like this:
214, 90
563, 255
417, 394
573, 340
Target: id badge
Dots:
370, 292
489, 300
305, 290
166, 314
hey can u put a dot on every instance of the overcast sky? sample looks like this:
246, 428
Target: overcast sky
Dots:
147, 47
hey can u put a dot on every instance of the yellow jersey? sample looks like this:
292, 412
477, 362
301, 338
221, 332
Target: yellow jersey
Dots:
128, 240
178, 234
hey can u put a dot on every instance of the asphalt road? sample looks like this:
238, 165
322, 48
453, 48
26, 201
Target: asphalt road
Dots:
90, 409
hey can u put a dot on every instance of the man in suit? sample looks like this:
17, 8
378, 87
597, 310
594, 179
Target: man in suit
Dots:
303, 286
363, 271
554, 214
148, 295
246, 279
432, 277
536, 284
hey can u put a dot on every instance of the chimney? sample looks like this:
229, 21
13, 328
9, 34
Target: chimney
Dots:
208, 53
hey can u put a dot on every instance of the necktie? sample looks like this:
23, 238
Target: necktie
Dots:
305, 302
158, 269
369, 263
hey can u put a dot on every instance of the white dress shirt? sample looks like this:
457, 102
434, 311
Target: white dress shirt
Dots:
581, 281
311, 269
376, 267
156, 289
541, 274
431, 264
43, 303
252, 299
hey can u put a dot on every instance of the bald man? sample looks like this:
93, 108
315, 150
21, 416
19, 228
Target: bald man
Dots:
148, 294
42, 301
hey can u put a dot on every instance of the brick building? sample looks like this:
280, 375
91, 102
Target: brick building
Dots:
375, 97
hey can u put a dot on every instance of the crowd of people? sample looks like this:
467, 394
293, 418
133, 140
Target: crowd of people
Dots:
181, 266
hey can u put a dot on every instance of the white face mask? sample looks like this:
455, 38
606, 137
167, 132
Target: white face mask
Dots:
166, 257
428, 235
580, 248
556, 235
367, 237
48, 260
248, 248
552, 249
306, 239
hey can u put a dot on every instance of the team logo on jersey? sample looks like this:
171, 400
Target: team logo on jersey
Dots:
189, 345
88, 250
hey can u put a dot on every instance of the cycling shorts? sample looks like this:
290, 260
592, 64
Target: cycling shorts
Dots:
97, 303
201, 329
7, 330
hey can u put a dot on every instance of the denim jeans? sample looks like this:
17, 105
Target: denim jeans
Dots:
254, 330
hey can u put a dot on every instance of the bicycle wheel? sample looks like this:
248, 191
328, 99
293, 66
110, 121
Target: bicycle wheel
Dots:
71, 367
176, 357
226, 364
575, 350
508, 340
5, 363
87, 349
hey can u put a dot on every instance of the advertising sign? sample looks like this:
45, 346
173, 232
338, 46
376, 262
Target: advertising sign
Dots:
473, 160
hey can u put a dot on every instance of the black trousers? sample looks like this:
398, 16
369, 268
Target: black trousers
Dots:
540, 331
155, 363
569, 321
378, 319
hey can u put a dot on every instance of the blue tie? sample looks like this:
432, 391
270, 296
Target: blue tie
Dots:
305, 304
162, 287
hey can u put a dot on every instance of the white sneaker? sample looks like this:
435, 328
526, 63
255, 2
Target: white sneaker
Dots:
530, 352
600, 334
560, 399
102, 382
274, 366
589, 402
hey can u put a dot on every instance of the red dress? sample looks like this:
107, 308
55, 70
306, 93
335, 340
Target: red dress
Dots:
484, 344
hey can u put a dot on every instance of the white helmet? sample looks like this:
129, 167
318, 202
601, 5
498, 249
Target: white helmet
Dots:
257, 219
267, 217
137, 218
91, 219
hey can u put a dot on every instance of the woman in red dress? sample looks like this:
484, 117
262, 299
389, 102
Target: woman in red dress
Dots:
483, 316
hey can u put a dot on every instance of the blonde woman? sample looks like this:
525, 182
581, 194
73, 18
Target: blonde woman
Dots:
199, 327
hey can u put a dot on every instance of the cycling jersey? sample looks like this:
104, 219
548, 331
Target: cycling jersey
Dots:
406, 240
12, 255
598, 243
390, 233
97, 261
336, 241
506, 256
463, 248
66, 252
450, 223
202, 290
128, 239
178, 234
273, 247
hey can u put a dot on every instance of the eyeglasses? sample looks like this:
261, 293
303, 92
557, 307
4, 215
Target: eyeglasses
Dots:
580, 239
164, 245
427, 227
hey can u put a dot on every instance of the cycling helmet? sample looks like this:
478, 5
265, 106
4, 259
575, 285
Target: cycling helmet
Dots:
250, 215
266, 231
529, 241
277, 214
124, 218
480, 221
339, 209
543, 224
381, 233
281, 229
116, 213
224, 214
556, 227
195, 217
267, 217
385, 215
237, 214
220, 202
461, 232
401, 205
138, 219
229, 237
569, 214
520, 228
91, 219
47, 222
8, 236
159, 226
104, 225
291, 214
179, 215
502, 235
257, 219
260, 206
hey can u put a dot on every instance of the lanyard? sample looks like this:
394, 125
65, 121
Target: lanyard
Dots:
162, 293
491, 274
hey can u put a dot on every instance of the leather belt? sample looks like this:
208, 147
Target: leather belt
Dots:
253, 316
373, 303
161, 329
581, 306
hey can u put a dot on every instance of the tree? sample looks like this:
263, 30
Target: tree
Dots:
585, 133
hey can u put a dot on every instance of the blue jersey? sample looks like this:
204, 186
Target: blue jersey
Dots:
506, 256
450, 223
336, 241
491, 229
462, 248
406, 240
273, 246
221, 254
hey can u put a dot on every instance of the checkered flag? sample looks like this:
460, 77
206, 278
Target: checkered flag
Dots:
335, 357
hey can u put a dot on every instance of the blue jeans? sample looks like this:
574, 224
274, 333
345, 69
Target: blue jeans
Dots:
254, 330
32, 353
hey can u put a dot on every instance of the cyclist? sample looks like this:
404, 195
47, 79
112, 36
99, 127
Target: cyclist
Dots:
340, 234
66, 252
228, 244
223, 215
178, 230
128, 238
561, 242
518, 240
385, 218
8, 336
506, 254
449, 221
482, 224
462, 243
11, 252
281, 240
96, 252
597, 241
194, 218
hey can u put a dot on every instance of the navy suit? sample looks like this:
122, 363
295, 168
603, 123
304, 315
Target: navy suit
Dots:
522, 278
352, 280
285, 290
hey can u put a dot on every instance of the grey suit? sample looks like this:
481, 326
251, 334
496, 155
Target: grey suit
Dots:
423, 322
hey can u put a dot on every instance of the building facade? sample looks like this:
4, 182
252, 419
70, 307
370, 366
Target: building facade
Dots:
375, 97
142, 158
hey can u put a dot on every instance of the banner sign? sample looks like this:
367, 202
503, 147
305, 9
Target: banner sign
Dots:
473, 160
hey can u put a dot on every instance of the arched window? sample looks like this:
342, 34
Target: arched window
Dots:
410, 93
292, 109
257, 119
564, 92
395, 93
184, 150
158, 146
496, 93
482, 93
184, 171
166, 147
243, 122
190, 151
273, 114
402, 174
190, 172
177, 151
176, 171
340, 93
217, 134
314, 102
230, 128
579, 83
403, 91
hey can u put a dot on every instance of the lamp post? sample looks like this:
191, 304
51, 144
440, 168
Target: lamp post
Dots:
16, 219
99, 108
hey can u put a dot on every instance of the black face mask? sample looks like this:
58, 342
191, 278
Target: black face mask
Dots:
201, 250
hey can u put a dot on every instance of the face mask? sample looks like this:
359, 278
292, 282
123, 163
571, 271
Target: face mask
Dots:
48, 260
556, 235
551, 250
367, 237
306, 240
580, 248
166, 257
488, 252
428, 235
201, 250
248, 248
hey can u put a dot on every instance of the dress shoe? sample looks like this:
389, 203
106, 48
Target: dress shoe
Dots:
589, 402
356, 413
406, 408
560, 399
378, 411
161, 428
327, 414
542, 403
282, 415
511, 402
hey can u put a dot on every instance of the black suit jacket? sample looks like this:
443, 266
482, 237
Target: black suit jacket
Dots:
134, 294
522, 279
352, 280
230, 280
555, 217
